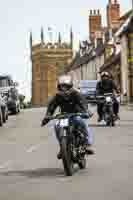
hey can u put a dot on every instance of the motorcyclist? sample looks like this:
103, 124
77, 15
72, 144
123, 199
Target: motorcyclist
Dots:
69, 101
107, 85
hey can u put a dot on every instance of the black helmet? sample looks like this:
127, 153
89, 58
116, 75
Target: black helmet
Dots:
64, 83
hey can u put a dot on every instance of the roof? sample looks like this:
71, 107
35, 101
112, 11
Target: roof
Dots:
81, 60
126, 15
124, 27
112, 60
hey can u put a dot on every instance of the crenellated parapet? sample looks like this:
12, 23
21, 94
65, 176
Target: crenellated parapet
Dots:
51, 46
51, 50
48, 62
48, 47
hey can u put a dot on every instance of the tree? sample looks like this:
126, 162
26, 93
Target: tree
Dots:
21, 99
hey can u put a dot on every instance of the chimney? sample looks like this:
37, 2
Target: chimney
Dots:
94, 12
113, 14
91, 12
95, 23
98, 12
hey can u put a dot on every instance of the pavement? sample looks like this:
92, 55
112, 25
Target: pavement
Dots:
29, 169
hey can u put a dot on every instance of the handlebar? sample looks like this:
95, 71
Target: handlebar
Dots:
107, 94
104, 95
67, 115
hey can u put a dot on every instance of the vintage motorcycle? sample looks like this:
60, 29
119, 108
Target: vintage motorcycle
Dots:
71, 141
108, 114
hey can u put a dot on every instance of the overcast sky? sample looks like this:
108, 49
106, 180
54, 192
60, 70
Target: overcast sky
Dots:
17, 18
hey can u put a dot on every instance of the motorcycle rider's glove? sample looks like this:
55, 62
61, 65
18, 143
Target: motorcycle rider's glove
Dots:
44, 121
90, 114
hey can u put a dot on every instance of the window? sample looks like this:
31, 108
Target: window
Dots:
5, 81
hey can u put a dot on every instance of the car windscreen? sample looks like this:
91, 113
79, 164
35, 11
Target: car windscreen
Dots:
88, 84
5, 82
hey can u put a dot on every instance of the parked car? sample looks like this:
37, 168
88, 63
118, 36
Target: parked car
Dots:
9, 90
88, 90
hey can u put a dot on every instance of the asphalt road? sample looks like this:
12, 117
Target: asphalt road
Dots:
29, 169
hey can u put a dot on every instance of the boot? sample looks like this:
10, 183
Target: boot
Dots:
117, 117
99, 119
88, 150
59, 155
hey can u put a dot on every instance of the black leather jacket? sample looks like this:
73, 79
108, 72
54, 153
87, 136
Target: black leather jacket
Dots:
72, 103
106, 86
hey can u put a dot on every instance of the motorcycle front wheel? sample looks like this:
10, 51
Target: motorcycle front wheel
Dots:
66, 157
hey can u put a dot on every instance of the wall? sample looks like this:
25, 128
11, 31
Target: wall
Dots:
99, 63
46, 61
124, 65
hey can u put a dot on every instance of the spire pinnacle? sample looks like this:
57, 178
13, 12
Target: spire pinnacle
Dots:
59, 38
71, 38
31, 41
42, 35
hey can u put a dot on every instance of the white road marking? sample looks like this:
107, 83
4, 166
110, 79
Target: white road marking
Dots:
33, 148
6, 164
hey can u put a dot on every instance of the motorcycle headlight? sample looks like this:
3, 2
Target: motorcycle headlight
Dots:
108, 99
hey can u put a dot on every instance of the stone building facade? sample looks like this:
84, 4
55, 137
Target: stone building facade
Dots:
87, 66
48, 61
125, 33
96, 29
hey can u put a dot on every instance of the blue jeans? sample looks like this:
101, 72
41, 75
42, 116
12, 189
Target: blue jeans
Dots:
79, 122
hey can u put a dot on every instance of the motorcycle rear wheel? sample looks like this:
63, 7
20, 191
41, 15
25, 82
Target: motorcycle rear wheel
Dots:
82, 163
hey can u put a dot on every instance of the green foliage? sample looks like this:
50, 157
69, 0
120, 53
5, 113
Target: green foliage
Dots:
21, 98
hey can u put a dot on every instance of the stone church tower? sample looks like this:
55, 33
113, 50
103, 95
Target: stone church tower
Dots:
48, 61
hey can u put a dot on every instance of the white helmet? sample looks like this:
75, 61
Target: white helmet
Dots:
105, 74
64, 83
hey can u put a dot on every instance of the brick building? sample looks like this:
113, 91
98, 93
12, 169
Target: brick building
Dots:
87, 66
48, 60
95, 23
113, 14
96, 29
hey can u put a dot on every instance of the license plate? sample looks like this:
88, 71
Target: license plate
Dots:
64, 122
118, 99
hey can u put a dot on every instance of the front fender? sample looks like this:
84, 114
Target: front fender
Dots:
62, 132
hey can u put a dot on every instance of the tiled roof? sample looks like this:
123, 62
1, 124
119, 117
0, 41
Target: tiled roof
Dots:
112, 60
81, 60
124, 27
126, 15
